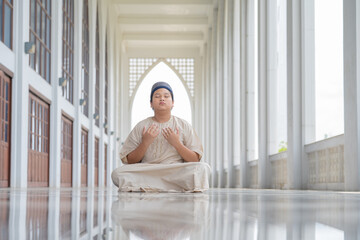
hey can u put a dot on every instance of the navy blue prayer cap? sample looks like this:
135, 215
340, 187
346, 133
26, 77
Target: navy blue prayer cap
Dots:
158, 85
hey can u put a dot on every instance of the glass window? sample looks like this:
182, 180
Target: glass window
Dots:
1, 18
106, 85
6, 22
68, 50
329, 98
85, 57
97, 66
40, 34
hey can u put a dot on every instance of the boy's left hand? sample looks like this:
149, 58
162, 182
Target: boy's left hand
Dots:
172, 137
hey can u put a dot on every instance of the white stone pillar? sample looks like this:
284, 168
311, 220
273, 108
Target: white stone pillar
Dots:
118, 99
263, 163
351, 10
207, 98
102, 38
308, 83
242, 8
272, 78
112, 101
213, 126
20, 99
55, 109
218, 96
250, 80
226, 96
91, 94
234, 90
202, 123
294, 107
78, 6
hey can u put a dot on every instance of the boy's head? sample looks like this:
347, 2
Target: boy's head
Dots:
158, 85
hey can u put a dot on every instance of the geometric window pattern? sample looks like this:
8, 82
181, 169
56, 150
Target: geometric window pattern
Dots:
137, 67
184, 66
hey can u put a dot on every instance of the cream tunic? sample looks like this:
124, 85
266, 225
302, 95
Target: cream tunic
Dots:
162, 169
160, 151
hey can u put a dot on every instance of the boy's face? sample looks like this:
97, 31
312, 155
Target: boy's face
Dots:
162, 100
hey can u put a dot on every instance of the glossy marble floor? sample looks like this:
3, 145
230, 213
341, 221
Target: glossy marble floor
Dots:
216, 214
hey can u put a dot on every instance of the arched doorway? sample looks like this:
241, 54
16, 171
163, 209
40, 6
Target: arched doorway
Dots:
141, 101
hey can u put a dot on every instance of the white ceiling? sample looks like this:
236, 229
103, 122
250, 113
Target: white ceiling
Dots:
167, 23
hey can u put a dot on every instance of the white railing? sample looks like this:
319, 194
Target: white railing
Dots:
253, 166
279, 170
326, 163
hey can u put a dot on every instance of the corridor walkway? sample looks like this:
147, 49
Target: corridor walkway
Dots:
216, 214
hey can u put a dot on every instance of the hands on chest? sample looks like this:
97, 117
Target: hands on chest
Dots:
149, 135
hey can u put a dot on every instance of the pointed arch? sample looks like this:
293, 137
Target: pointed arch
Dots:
176, 81
146, 72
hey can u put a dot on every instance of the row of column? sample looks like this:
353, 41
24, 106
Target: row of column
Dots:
240, 55
25, 79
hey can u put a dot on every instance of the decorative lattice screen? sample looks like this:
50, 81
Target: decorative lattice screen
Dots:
184, 66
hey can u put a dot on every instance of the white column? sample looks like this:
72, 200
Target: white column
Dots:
118, 99
197, 116
235, 88
294, 94
272, 77
115, 111
213, 126
205, 103
102, 38
308, 82
55, 110
226, 95
91, 94
20, 98
250, 79
202, 123
263, 163
218, 95
243, 95
351, 10
78, 6
112, 100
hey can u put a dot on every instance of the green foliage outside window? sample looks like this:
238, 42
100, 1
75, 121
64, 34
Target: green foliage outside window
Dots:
283, 146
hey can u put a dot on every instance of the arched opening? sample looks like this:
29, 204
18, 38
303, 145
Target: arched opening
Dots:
141, 104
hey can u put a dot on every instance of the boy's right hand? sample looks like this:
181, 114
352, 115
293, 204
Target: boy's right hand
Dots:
149, 135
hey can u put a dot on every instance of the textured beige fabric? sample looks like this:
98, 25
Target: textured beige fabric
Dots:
160, 151
162, 168
175, 177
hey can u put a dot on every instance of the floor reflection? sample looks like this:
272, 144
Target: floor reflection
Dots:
161, 215
216, 214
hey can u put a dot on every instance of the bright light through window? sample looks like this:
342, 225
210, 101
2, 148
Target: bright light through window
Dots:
329, 68
141, 105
